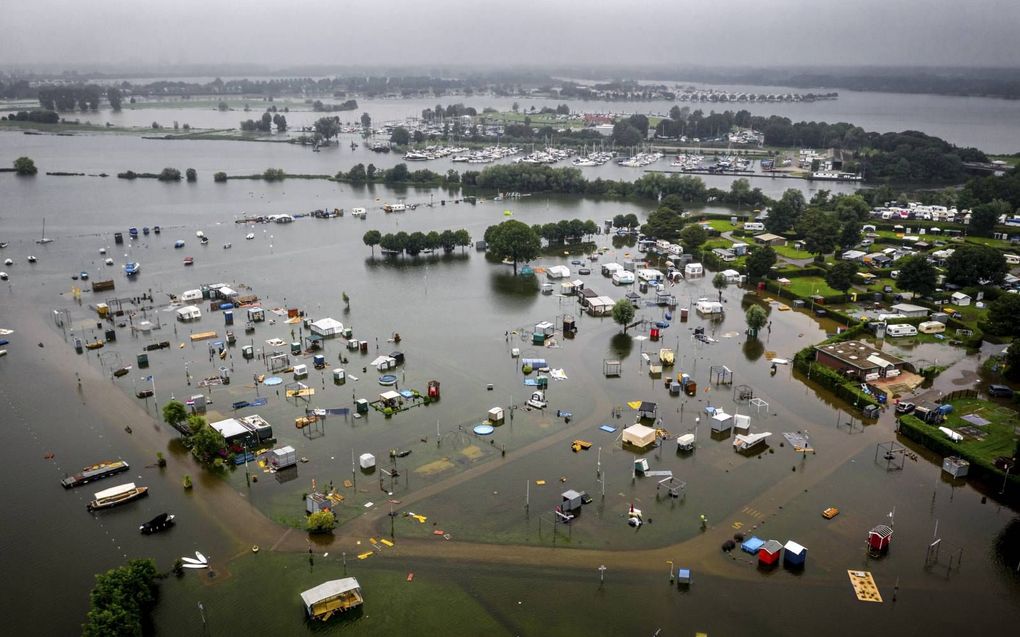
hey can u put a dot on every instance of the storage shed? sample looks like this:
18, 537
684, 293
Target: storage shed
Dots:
572, 501
721, 421
961, 299
879, 539
769, 553
639, 435
955, 466
794, 555
334, 596
496, 415
366, 461
327, 327
647, 410
752, 544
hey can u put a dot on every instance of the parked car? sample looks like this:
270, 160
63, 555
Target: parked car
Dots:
1000, 391
905, 408
872, 411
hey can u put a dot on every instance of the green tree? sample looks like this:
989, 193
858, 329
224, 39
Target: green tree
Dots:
1002, 316
463, 238
357, 174
756, 318
513, 240
223, 106
917, 275
760, 262
852, 208
1013, 362
625, 134
415, 243
664, 223
819, 231
25, 166
841, 276
849, 234
719, 282
366, 121
169, 174
274, 174
321, 522
969, 264
370, 172
220, 177
114, 96
400, 136
191, 174
206, 443
327, 127
175, 413
692, 237
623, 313
785, 213
121, 600
372, 239
984, 218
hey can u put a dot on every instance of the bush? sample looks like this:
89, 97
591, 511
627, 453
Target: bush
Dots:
321, 522
191, 174
220, 177
274, 174
169, 174
25, 166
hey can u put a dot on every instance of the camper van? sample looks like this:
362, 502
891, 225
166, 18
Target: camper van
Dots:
189, 313
754, 226
900, 329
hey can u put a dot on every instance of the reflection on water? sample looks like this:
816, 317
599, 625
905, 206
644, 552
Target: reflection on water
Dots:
753, 349
620, 345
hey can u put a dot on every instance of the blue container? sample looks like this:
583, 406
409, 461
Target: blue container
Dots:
227, 306
228, 317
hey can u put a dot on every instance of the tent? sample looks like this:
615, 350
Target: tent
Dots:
639, 435
327, 327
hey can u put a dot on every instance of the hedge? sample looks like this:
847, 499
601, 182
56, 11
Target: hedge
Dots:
931, 438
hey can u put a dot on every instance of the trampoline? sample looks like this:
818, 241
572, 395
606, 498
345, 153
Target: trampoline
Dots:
484, 430
387, 380
273, 380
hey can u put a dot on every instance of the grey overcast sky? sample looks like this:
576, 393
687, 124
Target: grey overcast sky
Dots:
508, 32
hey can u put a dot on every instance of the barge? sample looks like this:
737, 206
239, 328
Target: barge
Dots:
95, 472
115, 496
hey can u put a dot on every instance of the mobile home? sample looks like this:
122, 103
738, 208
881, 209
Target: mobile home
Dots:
901, 329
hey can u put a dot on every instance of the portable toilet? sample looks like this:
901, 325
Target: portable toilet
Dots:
110, 336
339, 376
691, 388
433, 389
537, 338
295, 348
318, 361
225, 375
352, 345
361, 406
300, 371
654, 334
569, 324
248, 352
571, 502
794, 555
142, 360
366, 460
228, 317
363, 346
769, 553
683, 576
496, 415
197, 403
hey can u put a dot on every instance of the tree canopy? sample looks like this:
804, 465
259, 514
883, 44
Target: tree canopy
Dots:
121, 599
1003, 315
841, 276
25, 166
970, 264
692, 237
756, 318
513, 240
623, 313
917, 275
785, 213
760, 261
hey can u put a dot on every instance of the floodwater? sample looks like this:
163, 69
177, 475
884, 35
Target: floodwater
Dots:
457, 316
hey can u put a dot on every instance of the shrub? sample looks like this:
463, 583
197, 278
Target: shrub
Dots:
321, 522
191, 174
169, 174
220, 177
25, 166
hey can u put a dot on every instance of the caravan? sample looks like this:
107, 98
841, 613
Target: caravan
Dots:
900, 329
189, 313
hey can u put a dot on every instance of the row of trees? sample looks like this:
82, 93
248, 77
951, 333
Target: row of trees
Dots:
349, 105
415, 243
566, 230
38, 116
265, 123
70, 98
399, 174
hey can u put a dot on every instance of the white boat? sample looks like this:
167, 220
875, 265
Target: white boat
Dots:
8, 261
199, 234
31, 259
195, 565
249, 236
358, 212
3, 276
108, 261
190, 560
201, 558
227, 246
102, 250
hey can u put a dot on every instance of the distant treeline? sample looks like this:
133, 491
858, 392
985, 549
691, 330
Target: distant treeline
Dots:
41, 117
349, 105
905, 156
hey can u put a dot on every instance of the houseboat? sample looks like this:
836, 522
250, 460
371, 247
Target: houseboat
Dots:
97, 471
114, 496
334, 596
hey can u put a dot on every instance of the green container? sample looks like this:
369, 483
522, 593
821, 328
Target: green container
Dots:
142, 360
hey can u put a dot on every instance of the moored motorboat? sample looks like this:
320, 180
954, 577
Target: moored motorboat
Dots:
115, 496
159, 523
132, 268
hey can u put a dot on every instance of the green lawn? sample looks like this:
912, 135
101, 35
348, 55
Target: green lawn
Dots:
792, 253
722, 225
807, 286
999, 433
